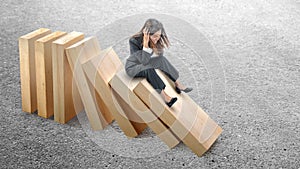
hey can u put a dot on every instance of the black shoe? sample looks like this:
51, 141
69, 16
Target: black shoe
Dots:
173, 100
186, 90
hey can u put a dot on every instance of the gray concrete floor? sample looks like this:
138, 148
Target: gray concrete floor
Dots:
243, 59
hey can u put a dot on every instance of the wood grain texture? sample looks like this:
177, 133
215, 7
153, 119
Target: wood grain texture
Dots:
27, 68
66, 97
98, 114
136, 110
100, 70
44, 75
185, 118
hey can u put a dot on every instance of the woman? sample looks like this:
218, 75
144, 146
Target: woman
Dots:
146, 55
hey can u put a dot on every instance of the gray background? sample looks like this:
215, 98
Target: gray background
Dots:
257, 103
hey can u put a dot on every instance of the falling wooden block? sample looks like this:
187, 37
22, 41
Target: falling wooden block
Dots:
27, 68
43, 66
185, 118
97, 113
136, 110
66, 96
100, 70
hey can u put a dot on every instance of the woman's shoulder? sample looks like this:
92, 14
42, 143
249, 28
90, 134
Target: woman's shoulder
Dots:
135, 39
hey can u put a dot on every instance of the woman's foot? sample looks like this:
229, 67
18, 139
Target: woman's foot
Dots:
179, 87
172, 101
168, 100
186, 90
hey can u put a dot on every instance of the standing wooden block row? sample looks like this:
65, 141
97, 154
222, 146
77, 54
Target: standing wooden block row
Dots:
27, 68
136, 110
97, 112
100, 70
65, 95
44, 80
185, 118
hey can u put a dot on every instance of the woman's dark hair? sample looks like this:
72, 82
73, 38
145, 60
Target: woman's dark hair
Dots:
153, 26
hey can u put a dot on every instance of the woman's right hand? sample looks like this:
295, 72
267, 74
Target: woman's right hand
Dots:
146, 38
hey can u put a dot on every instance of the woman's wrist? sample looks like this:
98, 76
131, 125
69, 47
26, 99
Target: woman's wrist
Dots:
149, 50
145, 45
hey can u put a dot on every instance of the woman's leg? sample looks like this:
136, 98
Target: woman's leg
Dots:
153, 78
155, 81
164, 65
166, 97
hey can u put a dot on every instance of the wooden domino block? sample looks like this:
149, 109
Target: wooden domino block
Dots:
44, 81
27, 68
66, 97
97, 112
100, 70
185, 118
136, 110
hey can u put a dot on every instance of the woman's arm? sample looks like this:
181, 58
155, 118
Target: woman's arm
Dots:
142, 55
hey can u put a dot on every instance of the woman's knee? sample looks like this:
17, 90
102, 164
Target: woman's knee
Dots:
150, 71
129, 73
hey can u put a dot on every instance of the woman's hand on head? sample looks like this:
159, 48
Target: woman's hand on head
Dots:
146, 37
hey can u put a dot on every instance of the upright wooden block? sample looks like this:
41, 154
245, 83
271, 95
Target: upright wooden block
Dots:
44, 75
185, 118
100, 70
27, 68
66, 96
136, 110
98, 114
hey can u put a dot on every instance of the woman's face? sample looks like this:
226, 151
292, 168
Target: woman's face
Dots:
156, 36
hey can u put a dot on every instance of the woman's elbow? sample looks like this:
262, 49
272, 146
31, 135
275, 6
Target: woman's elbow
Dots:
145, 62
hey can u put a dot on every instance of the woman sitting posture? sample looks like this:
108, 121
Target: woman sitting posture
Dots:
146, 55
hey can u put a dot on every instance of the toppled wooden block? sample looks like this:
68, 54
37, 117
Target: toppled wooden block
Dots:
136, 110
27, 68
65, 96
44, 75
97, 112
185, 118
100, 70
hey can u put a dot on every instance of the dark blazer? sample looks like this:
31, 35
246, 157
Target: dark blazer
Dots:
138, 59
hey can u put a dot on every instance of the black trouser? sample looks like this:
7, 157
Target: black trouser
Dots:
153, 78
165, 66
